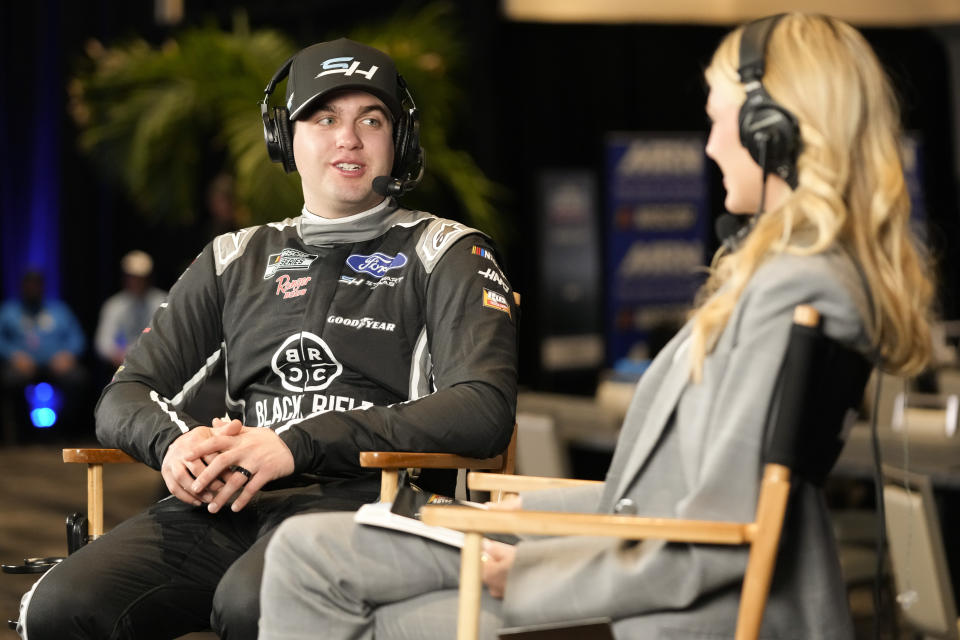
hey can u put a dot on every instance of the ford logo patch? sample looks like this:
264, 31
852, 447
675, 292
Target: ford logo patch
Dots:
376, 264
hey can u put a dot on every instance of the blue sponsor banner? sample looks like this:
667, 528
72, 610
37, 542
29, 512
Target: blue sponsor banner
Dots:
912, 151
657, 220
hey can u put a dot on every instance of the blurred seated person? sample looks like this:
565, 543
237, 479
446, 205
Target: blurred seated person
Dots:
125, 314
40, 341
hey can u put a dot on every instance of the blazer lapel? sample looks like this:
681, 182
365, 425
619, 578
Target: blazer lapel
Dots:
651, 425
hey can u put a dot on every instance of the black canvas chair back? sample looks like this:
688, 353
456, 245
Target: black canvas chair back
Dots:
817, 399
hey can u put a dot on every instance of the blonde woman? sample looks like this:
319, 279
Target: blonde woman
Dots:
816, 150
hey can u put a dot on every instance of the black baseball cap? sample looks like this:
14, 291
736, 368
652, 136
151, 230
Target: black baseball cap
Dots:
337, 65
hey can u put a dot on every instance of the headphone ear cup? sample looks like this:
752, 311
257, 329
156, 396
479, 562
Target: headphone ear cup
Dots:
768, 127
284, 130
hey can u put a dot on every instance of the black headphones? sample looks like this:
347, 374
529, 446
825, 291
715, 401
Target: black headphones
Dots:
408, 162
767, 130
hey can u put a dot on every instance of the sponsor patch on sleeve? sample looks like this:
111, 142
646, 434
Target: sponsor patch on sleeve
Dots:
496, 300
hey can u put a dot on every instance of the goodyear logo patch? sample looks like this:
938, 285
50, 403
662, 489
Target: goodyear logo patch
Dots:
495, 300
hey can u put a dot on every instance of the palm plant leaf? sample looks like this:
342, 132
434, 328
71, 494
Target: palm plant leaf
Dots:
150, 118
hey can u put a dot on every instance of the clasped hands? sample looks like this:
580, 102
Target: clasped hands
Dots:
199, 466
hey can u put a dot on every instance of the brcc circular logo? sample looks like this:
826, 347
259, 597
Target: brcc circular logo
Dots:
304, 362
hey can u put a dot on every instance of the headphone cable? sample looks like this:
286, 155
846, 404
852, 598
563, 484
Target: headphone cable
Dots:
881, 514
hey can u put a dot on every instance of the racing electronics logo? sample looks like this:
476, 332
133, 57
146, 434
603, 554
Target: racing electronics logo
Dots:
376, 264
288, 260
304, 362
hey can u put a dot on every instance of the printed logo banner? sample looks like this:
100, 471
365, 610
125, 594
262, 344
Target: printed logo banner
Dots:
657, 221
913, 153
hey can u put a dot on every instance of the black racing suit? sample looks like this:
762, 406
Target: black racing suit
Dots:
388, 330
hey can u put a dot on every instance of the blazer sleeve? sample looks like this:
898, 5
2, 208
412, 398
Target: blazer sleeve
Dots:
583, 499
711, 470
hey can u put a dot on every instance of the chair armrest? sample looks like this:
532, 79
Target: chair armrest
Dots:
390, 462
95, 459
514, 484
469, 519
413, 460
475, 522
96, 456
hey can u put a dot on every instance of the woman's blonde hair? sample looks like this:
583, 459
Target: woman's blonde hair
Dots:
851, 189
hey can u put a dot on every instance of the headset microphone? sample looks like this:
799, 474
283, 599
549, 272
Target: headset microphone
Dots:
387, 186
731, 229
391, 186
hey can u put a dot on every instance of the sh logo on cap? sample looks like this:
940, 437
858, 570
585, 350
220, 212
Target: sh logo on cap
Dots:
339, 65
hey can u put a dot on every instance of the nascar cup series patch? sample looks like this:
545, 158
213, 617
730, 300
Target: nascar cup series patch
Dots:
496, 301
288, 260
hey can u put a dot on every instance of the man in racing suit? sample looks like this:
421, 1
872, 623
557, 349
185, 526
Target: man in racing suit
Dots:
357, 325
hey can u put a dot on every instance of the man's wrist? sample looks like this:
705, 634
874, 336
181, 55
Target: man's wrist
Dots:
301, 447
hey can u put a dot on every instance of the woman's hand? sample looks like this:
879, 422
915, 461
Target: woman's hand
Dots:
497, 558
512, 502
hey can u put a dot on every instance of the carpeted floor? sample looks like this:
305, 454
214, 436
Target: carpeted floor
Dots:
37, 491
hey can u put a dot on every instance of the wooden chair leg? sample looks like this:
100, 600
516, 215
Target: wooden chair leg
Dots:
95, 500
95, 459
468, 614
389, 482
775, 489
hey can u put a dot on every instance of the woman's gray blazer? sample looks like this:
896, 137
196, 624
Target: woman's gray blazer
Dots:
694, 451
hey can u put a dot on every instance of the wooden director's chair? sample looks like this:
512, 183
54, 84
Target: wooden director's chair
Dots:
820, 386
389, 462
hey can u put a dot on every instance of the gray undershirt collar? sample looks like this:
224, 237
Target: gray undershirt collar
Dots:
359, 227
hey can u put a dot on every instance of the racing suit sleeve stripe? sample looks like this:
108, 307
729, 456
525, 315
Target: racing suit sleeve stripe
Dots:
194, 383
165, 407
420, 382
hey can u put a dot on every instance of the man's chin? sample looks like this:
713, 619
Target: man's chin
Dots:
346, 206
